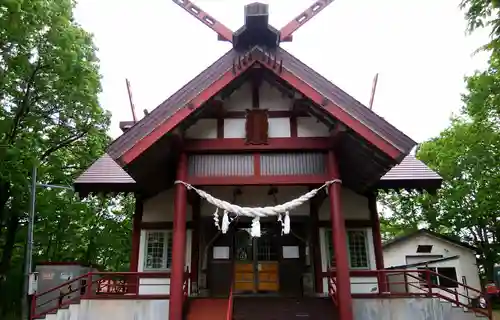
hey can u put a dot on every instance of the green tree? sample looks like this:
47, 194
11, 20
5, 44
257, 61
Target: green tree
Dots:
481, 14
467, 155
50, 117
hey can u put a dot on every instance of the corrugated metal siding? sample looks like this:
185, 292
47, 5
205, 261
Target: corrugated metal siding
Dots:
411, 169
221, 165
279, 164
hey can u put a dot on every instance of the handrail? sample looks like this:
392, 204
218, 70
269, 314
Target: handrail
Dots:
332, 290
229, 313
421, 281
95, 285
60, 286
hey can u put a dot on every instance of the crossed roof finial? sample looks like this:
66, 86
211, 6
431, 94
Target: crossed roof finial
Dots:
256, 29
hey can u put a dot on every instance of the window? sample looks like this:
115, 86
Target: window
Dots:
424, 248
447, 277
356, 247
158, 251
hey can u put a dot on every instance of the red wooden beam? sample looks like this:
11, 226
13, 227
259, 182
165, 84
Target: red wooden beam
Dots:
224, 32
335, 110
178, 242
301, 19
254, 180
239, 145
184, 112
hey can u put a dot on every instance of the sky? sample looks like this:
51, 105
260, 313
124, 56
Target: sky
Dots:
419, 48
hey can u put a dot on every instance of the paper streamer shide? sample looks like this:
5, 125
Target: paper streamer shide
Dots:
281, 210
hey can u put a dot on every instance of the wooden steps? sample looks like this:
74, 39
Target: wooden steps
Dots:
207, 309
279, 308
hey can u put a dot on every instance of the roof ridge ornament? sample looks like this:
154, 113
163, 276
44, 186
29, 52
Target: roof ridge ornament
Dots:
256, 30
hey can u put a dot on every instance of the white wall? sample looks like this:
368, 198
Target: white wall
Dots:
358, 284
159, 285
465, 265
355, 207
161, 207
123, 309
270, 99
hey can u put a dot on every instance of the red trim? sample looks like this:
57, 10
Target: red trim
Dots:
183, 113
348, 224
377, 240
256, 164
163, 225
128, 297
339, 239
136, 235
258, 180
178, 243
337, 112
224, 32
273, 144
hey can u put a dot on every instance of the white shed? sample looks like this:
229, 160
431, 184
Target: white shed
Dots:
444, 255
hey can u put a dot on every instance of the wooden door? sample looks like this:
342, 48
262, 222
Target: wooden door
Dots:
256, 262
267, 261
244, 269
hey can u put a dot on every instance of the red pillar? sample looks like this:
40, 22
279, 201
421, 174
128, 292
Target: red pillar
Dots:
178, 243
136, 234
377, 241
339, 240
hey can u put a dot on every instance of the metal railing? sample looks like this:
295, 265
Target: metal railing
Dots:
105, 285
416, 283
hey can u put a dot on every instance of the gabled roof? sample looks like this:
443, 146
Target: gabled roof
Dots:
334, 100
413, 172
430, 233
386, 144
105, 171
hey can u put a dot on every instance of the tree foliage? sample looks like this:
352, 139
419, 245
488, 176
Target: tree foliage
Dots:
50, 118
467, 155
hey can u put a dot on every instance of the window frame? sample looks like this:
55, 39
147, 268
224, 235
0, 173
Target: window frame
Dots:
167, 246
329, 250
436, 277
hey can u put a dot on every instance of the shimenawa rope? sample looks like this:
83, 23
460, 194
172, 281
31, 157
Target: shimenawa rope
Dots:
281, 210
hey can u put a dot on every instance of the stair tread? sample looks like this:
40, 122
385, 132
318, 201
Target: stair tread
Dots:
207, 309
273, 308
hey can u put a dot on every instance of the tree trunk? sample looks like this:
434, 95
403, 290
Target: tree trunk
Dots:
7, 250
4, 197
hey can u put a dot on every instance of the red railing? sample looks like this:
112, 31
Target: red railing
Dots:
104, 285
229, 313
416, 283
332, 290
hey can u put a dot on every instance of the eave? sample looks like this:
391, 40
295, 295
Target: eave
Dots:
315, 87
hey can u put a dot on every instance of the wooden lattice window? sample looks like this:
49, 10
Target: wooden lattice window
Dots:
256, 126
